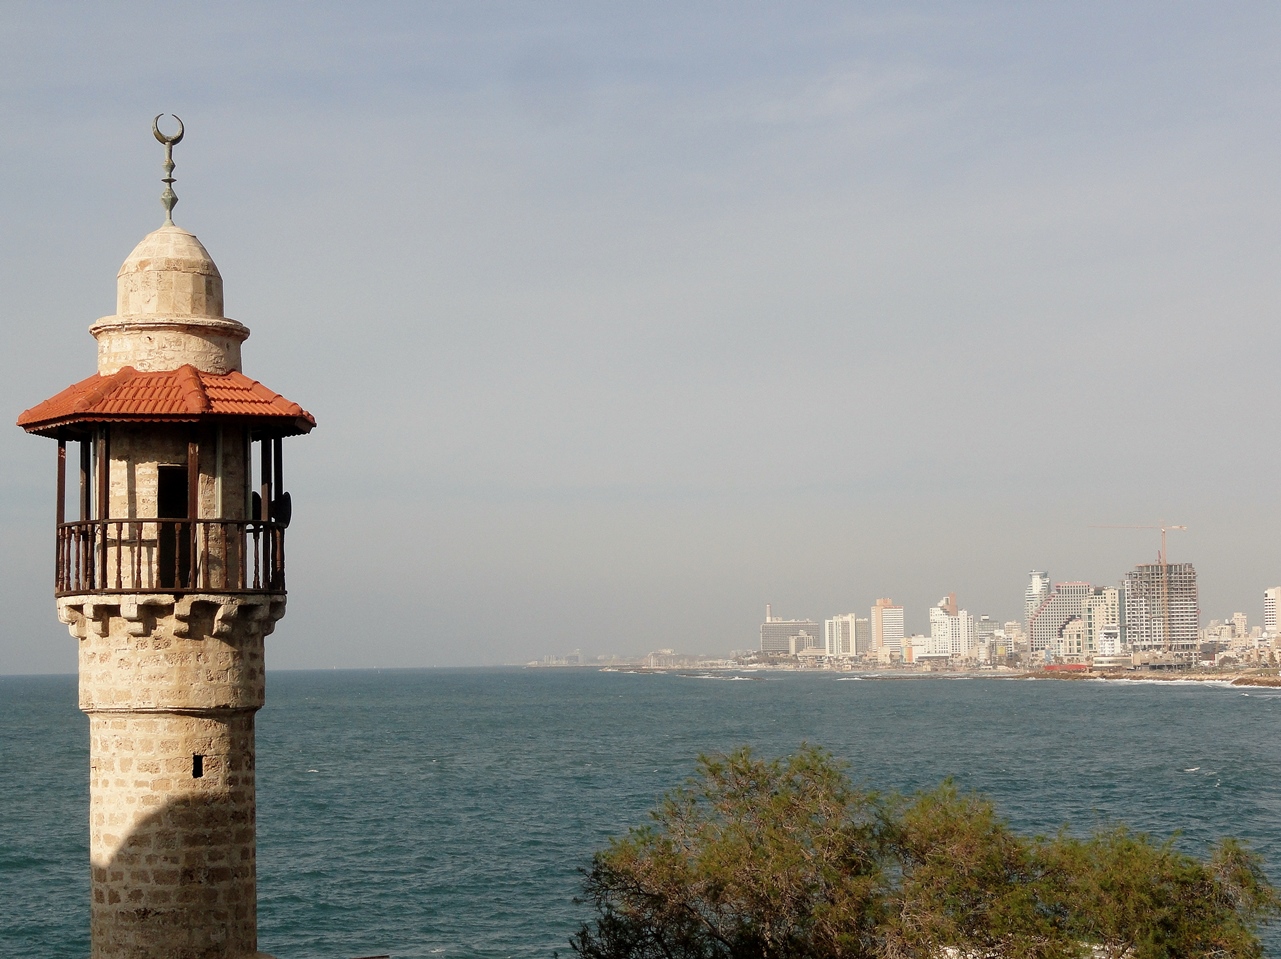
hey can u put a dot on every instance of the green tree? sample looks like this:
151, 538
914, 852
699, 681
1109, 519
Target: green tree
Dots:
785, 859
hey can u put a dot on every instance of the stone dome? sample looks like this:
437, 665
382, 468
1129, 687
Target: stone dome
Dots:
169, 273
169, 310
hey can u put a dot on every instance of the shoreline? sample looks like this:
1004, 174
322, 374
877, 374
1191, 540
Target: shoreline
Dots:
1161, 676
1240, 679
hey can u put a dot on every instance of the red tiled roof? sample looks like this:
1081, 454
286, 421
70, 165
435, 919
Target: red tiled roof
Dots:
182, 395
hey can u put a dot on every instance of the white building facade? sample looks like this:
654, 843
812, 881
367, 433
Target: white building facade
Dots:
887, 627
952, 630
839, 635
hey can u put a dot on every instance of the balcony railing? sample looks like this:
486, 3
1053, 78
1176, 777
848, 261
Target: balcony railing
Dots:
170, 555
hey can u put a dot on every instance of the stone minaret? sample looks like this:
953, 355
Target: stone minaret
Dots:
170, 579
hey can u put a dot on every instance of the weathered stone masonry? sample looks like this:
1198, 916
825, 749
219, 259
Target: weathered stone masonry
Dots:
170, 580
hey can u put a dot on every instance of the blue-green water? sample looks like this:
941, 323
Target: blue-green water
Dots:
445, 813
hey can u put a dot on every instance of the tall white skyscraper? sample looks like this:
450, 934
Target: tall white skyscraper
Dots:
1037, 592
839, 634
1271, 598
887, 625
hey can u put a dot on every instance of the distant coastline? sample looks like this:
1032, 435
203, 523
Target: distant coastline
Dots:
1259, 678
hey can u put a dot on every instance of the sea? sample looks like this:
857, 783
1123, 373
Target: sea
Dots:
449, 813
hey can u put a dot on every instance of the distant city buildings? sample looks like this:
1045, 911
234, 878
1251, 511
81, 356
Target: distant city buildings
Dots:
1102, 609
1162, 612
1108, 641
1064, 603
788, 637
1240, 624
1151, 620
839, 635
1037, 592
1070, 643
1270, 599
847, 635
887, 628
951, 629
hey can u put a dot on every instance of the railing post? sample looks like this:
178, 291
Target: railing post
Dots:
193, 501
85, 551
60, 513
204, 554
280, 558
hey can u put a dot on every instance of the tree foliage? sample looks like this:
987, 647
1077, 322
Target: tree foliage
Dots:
786, 859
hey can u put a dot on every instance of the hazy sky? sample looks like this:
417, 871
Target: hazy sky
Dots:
622, 320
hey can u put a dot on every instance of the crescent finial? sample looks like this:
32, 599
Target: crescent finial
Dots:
168, 198
168, 141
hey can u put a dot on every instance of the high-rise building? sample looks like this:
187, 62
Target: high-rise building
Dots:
789, 636
839, 635
1162, 611
862, 635
951, 629
1038, 590
887, 626
1045, 625
1271, 597
1103, 607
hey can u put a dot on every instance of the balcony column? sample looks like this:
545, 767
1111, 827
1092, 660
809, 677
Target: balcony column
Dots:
264, 478
193, 504
61, 511
103, 477
278, 468
60, 540
84, 480
101, 472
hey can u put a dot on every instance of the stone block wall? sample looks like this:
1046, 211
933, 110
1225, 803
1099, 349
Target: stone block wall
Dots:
137, 453
171, 686
172, 840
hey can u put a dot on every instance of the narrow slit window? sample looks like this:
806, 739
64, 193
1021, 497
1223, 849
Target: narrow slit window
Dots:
197, 766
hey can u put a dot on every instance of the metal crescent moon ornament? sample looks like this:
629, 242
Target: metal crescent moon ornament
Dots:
167, 141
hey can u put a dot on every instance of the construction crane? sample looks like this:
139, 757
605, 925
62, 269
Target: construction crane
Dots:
1161, 557
1163, 560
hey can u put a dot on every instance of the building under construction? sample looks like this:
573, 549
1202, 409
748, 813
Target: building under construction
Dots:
1162, 612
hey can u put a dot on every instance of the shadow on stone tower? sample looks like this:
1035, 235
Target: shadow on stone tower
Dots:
170, 579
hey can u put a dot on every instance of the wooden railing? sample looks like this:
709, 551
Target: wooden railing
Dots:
170, 555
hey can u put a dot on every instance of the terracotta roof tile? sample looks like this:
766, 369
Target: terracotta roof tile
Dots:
184, 394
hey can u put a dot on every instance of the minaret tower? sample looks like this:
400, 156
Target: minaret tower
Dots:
169, 579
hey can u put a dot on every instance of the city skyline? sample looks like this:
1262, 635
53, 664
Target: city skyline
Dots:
609, 310
1096, 605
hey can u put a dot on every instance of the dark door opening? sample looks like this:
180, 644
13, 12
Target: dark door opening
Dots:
174, 547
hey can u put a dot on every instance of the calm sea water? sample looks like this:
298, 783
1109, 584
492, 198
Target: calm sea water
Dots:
446, 813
